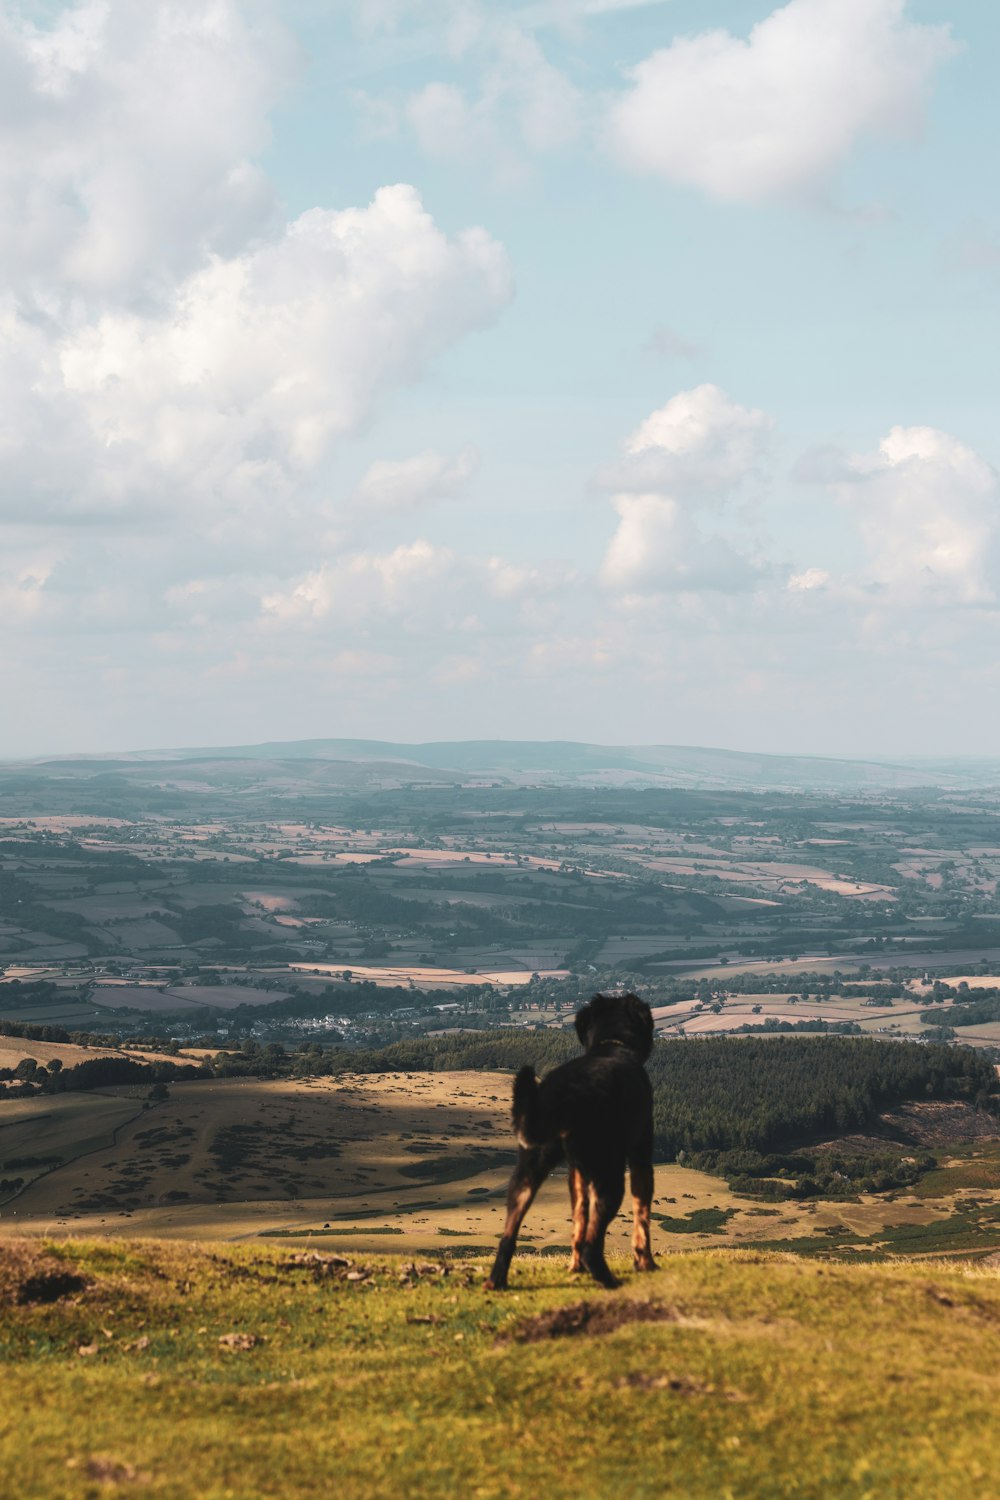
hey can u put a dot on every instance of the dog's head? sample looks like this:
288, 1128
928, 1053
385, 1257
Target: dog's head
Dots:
616, 1018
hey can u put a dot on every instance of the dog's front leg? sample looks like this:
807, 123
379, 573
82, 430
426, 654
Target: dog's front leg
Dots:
641, 1177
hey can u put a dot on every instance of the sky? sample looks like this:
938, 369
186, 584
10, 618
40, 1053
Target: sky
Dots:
611, 370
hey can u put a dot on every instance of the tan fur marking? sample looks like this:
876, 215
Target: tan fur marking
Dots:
578, 1205
518, 1209
642, 1195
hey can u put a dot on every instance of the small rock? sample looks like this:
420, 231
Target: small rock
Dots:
236, 1343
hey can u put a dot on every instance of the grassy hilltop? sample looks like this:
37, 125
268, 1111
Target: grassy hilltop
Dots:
175, 1370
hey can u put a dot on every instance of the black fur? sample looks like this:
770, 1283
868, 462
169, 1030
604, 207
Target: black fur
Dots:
596, 1114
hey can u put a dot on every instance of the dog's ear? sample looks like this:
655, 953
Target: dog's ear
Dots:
583, 1022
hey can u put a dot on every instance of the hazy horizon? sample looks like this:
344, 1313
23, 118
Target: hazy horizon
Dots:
273, 747
611, 371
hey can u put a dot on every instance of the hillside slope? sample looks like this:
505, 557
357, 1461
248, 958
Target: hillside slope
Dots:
176, 1371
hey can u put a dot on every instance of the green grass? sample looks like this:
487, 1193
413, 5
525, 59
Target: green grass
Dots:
974, 1164
766, 1375
972, 1229
698, 1221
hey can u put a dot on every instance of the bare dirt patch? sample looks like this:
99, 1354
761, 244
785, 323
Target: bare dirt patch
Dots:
29, 1276
589, 1319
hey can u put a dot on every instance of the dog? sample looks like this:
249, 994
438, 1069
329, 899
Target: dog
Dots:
596, 1114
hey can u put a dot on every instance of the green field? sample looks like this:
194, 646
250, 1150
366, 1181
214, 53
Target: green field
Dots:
179, 1370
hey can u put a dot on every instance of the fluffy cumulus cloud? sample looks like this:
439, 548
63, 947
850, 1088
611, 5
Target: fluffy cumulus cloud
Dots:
686, 458
744, 119
172, 351
657, 548
700, 441
128, 138
262, 359
927, 508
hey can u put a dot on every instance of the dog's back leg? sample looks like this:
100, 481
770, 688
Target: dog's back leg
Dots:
641, 1177
605, 1193
578, 1199
533, 1166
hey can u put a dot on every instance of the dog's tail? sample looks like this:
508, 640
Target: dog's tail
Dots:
527, 1111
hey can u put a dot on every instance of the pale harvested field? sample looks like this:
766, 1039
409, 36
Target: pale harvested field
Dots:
66, 822
427, 978
828, 963
14, 1048
765, 874
270, 902
974, 981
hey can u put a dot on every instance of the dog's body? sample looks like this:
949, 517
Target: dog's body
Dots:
595, 1113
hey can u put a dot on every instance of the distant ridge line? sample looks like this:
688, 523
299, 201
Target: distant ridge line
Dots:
568, 762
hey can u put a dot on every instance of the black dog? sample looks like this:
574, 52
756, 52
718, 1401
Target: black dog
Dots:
596, 1113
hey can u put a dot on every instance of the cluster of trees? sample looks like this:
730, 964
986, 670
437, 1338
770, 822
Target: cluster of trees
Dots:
20, 904
33, 1031
718, 1093
816, 1174
978, 1010
816, 1024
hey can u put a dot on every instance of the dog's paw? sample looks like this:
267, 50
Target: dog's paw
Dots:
645, 1263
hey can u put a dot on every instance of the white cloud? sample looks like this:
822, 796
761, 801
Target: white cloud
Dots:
409, 483
658, 549
516, 105
366, 584
699, 440
689, 454
702, 437
417, 588
928, 510
746, 119
808, 581
259, 361
127, 141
